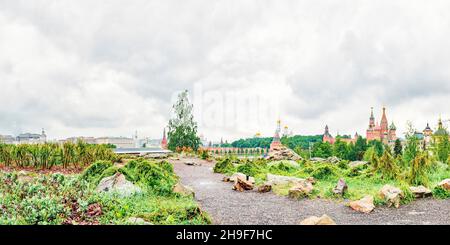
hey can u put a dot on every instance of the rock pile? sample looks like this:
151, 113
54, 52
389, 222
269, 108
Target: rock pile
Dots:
340, 188
445, 184
282, 153
118, 184
365, 205
301, 189
183, 190
313, 220
420, 191
242, 184
356, 164
392, 195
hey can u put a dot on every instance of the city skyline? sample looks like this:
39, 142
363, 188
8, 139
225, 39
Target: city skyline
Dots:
245, 64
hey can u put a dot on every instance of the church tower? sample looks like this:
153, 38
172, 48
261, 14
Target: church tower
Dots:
164, 141
276, 142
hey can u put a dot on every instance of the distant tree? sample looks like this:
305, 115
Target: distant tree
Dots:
398, 148
322, 149
360, 148
411, 146
340, 149
353, 153
442, 147
387, 166
378, 147
182, 127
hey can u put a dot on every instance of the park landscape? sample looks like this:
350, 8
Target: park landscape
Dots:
341, 183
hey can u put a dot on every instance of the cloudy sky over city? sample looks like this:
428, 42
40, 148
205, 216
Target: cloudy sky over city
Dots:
108, 68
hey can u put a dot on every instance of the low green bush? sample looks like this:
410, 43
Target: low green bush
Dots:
95, 171
441, 193
324, 172
224, 166
248, 168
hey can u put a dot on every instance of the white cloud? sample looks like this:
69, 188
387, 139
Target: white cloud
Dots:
111, 67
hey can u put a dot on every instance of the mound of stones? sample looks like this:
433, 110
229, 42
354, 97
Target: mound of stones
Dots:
282, 153
392, 195
301, 189
445, 184
313, 220
241, 182
420, 191
356, 164
332, 160
364, 205
183, 190
118, 184
340, 188
290, 163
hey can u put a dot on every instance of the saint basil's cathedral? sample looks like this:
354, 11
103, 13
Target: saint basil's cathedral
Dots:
376, 131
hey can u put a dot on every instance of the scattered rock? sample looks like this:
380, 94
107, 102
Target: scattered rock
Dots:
226, 179
265, 188
301, 189
333, 160
235, 176
242, 184
340, 188
392, 195
24, 177
445, 184
356, 164
317, 160
365, 205
311, 180
313, 220
420, 191
282, 180
94, 210
283, 153
183, 190
137, 221
118, 184
192, 163
290, 163
155, 156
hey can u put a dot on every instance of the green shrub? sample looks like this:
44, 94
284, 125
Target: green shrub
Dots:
248, 168
224, 166
418, 174
343, 164
324, 172
158, 177
441, 193
95, 171
408, 196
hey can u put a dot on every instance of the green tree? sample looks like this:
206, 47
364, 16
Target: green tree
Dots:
419, 168
322, 149
378, 147
360, 148
442, 147
398, 148
182, 127
340, 149
411, 145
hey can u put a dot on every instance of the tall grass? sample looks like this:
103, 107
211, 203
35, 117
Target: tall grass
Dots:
48, 155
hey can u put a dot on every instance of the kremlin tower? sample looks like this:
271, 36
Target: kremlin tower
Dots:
164, 141
276, 143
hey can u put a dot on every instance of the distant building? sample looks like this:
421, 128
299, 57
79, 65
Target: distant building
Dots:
88, 140
327, 137
7, 139
276, 142
164, 144
119, 142
382, 132
29, 138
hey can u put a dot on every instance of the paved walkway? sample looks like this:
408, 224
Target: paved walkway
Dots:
229, 207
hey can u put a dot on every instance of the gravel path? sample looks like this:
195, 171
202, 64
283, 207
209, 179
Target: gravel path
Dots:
229, 207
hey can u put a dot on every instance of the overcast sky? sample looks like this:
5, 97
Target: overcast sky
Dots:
108, 68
